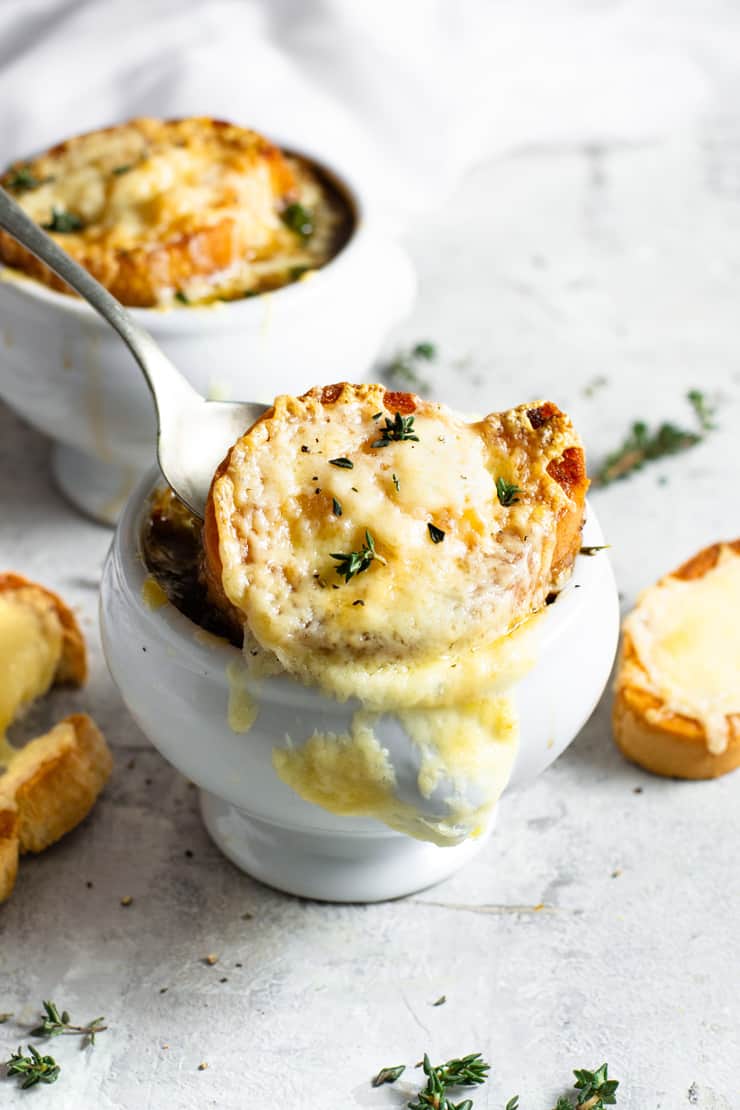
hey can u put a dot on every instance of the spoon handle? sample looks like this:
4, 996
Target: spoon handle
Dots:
163, 379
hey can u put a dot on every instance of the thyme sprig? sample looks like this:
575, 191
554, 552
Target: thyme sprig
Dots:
466, 1071
397, 430
55, 1023
32, 1069
643, 444
595, 1090
351, 563
403, 369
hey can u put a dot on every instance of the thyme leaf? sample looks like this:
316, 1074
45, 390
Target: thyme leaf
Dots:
436, 535
118, 171
388, 1075
397, 430
344, 464
336, 506
21, 180
63, 222
507, 492
299, 220
704, 410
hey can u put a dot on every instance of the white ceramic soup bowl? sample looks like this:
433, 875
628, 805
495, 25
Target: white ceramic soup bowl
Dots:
65, 371
175, 680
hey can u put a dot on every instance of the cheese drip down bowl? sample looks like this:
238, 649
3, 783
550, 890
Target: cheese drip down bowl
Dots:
65, 371
187, 690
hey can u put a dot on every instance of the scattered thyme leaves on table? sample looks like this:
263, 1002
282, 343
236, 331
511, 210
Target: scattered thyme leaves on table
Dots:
32, 1069
63, 222
507, 492
403, 369
643, 444
299, 220
397, 430
55, 1023
595, 1091
351, 563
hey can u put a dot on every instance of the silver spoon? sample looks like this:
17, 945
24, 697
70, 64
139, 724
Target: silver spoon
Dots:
193, 434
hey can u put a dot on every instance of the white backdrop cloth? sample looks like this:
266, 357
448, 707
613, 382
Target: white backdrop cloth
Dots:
411, 92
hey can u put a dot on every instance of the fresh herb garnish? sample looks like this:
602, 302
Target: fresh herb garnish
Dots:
21, 180
507, 492
377, 415
440, 1001
63, 222
345, 464
595, 1090
513, 1103
181, 297
397, 430
644, 445
468, 1071
299, 220
403, 368
32, 1069
388, 1075
54, 1024
336, 506
355, 562
704, 410
396, 482
435, 534
119, 170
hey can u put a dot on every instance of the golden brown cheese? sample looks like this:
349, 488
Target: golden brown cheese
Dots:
190, 209
323, 475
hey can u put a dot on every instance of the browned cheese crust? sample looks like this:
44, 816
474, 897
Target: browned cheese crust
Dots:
169, 207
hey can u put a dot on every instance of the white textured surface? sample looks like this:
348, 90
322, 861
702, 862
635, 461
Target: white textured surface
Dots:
553, 269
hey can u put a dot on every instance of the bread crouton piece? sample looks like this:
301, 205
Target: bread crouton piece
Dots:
676, 708
49, 788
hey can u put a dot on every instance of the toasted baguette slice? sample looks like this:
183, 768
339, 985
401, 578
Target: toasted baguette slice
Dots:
50, 786
676, 708
471, 525
187, 209
43, 642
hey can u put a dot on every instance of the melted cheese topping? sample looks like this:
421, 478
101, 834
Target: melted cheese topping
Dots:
202, 200
30, 650
395, 633
686, 636
429, 636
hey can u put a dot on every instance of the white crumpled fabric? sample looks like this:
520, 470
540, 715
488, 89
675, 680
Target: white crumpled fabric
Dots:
410, 92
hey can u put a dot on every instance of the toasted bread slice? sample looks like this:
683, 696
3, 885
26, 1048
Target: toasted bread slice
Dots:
41, 644
188, 209
359, 532
49, 787
676, 708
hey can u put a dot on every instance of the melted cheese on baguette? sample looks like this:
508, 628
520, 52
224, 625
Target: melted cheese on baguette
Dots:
686, 636
436, 627
31, 642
